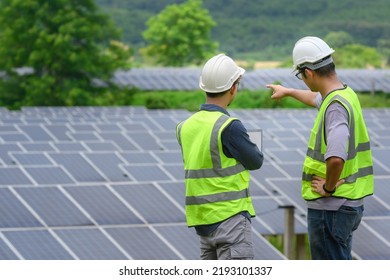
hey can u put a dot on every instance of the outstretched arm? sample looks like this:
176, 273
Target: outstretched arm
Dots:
305, 96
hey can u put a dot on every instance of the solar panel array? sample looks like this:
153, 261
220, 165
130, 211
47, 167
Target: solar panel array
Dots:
361, 80
107, 183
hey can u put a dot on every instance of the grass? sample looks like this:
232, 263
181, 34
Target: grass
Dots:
191, 100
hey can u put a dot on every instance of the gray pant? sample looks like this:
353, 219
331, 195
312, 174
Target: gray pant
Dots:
231, 240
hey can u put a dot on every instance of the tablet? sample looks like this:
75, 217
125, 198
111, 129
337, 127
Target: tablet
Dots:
256, 136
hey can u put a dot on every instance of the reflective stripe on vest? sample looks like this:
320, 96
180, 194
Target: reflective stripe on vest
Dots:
358, 169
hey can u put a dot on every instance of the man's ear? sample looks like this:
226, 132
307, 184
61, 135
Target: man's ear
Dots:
233, 89
309, 72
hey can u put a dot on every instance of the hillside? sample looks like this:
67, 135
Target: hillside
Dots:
269, 27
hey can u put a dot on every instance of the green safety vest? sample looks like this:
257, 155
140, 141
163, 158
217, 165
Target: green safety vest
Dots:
217, 187
358, 168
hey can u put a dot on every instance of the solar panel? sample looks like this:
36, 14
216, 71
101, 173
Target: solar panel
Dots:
53, 206
363, 80
89, 181
5, 252
26, 159
147, 172
77, 166
91, 244
49, 175
13, 176
144, 140
35, 132
152, 246
13, 213
110, 209
146, 198
108, 164
120, 140
377, 250
37, 245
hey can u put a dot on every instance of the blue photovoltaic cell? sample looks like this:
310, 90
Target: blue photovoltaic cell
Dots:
176, 190
83, 136
177, 170
119, 139
170, 157
107, 127
49, 175
381, 227
14, 213
37, 147
256, 189
31, 159
288, 156
7, 128
35, 132
108, 164
59, 131
145, 198
90, 244
53, 206
146, 173
77, 166
170, 145
382, 188
292, 169
13, 176
367, 244
264, 250
82, 127
104, 207
189, 240
101, 146
144, 140
267, 171
134, 127
141, 243
373, 207
69, 147
138, 157
37, 245
14, 137
5, 252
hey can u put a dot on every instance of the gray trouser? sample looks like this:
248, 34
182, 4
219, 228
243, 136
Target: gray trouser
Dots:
231, 240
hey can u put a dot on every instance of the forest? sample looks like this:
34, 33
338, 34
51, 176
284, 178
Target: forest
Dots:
265, 28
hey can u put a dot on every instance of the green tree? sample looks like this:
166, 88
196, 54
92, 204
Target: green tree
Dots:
384, 48
180, 35
338, 39
65, 46
357, 56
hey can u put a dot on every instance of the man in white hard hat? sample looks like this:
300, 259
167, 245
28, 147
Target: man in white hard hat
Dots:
217, 155
338, 170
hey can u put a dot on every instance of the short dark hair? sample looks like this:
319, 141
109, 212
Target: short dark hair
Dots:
219, 94
326, 70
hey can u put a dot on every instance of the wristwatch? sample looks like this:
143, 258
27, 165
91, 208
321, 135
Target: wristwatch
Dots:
329, 192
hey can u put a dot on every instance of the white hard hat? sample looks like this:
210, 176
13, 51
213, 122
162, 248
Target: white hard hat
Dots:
219, 73
309, 50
